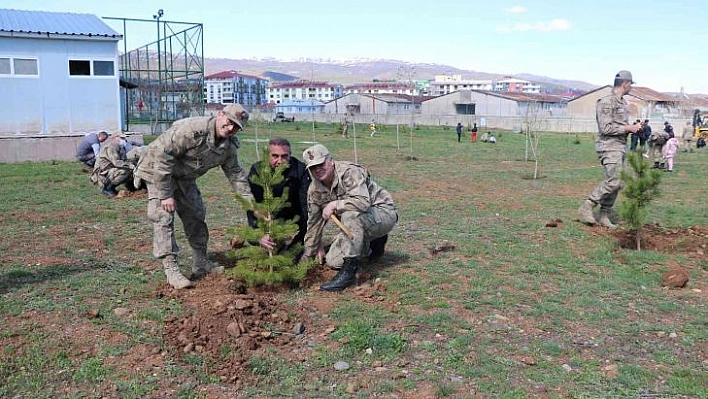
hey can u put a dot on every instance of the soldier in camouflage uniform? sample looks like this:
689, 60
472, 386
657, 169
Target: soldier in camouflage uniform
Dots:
171, 165
112, 167
611, 145
347, 190
346, 124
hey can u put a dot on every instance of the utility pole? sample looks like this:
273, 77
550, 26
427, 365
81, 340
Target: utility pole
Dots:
311, 99
158, 114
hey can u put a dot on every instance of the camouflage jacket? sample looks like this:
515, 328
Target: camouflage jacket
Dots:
112, 155
354, 191
612, 116
187, 150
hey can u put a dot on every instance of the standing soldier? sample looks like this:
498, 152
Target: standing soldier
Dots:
347, 123
171, 165
687, 137
613, 127
365, 208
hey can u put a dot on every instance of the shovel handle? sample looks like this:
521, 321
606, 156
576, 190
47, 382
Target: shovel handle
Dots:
342, 227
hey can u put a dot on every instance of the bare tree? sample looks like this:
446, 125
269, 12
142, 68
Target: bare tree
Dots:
532, 123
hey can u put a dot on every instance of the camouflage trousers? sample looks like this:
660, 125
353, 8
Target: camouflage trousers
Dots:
190, 209
114, 176
655, 152
366, 226
606, 192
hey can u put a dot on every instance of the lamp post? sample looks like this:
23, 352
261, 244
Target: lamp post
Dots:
157, 17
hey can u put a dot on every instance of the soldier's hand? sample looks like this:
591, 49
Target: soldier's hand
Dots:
632, 128
266, 242
329, 210
320, 255
168, 204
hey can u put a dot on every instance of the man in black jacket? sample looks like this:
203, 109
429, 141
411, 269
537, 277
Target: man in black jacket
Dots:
297, 180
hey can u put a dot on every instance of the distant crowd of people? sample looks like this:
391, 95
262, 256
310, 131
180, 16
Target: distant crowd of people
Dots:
487, 137
661, 146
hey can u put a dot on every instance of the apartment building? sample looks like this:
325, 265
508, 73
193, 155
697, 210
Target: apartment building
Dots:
230, 87
511, 85
446, 84
384, 87
302, 90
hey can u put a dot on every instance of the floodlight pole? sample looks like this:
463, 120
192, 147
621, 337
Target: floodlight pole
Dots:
157, 17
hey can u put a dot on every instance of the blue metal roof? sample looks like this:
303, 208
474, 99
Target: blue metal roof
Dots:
54, 23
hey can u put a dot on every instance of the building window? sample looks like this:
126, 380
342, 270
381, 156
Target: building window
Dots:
84, 68
103, 68
79, 68
19, 66
24, 66
5, 66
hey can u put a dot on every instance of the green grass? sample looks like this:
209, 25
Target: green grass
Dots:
499, 315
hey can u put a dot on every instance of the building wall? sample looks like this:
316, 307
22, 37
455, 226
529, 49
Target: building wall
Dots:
485, 104
245, 90
584, 106
53, 102
45, 148
300, 107
363, 104
283, 93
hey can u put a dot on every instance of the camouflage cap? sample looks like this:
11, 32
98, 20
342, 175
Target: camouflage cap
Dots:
315, 155
624, 75
237, 114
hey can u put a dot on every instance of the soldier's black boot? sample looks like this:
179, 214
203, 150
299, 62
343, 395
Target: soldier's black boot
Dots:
109, 190
345, 277
377, 247
656, 165
130, 186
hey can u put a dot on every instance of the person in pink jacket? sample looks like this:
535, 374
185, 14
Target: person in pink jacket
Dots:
669, 151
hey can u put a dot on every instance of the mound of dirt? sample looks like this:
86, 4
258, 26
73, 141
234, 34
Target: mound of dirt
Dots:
132, 194
228, 326
691, 242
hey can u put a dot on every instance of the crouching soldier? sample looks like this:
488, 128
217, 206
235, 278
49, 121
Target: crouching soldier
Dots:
346, 190
113, 168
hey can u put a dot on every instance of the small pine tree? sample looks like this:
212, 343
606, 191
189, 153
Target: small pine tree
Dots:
255, 264
641, 187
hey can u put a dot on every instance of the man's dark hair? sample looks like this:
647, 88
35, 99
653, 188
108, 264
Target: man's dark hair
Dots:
103, 134
618, 82
279, 141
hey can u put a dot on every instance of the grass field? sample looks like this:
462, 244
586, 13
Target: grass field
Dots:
516, 309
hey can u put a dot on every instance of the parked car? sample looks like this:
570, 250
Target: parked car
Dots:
280, 117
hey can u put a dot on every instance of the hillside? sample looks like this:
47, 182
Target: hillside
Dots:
357, 71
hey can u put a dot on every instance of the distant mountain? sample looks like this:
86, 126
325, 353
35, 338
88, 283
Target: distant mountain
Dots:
366, 70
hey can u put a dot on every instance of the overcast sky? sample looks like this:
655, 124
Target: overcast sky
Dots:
663, 43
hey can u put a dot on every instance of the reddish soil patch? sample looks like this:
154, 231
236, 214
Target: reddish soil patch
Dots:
690, 242
232, 326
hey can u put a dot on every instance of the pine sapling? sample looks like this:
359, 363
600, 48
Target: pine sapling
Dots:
641, 188
258, 265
